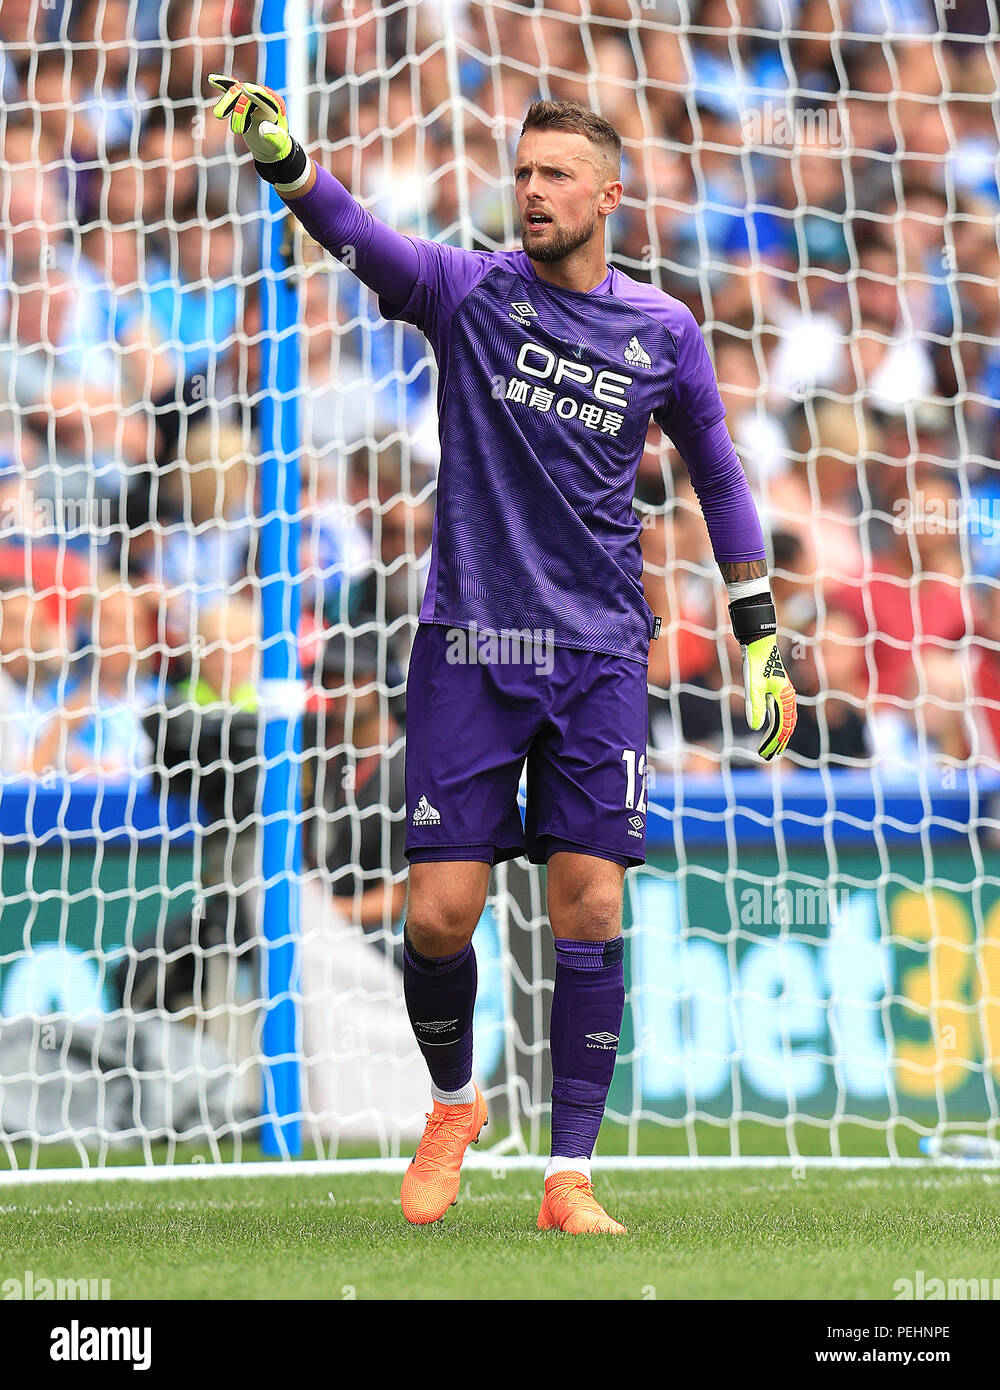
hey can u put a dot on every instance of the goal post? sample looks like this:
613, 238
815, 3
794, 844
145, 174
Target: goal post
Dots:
282, 688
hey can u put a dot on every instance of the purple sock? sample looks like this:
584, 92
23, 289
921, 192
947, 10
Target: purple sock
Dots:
440, 998
587, 1006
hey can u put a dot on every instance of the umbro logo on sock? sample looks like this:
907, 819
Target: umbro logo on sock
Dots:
426, 814
604, 1042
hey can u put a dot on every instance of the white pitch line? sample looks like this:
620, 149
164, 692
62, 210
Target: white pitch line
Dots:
500, 1164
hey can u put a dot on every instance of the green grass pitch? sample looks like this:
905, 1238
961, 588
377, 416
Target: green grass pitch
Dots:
744, 1233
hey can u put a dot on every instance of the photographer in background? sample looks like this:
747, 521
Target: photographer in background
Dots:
363, 1073
356, 847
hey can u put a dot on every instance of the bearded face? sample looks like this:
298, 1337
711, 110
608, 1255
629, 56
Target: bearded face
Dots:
562, 186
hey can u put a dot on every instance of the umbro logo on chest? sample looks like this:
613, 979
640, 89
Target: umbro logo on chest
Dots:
521, 310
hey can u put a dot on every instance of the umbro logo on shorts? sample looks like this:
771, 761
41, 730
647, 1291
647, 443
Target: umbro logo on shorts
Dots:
426, 814
635, 822
604, 1042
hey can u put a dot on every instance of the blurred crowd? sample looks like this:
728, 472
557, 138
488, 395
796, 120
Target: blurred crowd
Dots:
816, 180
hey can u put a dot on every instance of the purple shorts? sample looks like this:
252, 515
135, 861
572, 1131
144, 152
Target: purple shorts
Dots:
477, 708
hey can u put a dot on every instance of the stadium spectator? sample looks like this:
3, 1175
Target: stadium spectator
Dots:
680, 591
40, 551
339, 408
976, 148
216, 36
831, 728
52, 124
712, 731
114, 274
985, 662
653, 226
99, 731
29, 675
392, 590
793, 582
108, 85
666, 76
359, 826
225, 663
353, 898
198, 308
33, 208
208, 505
759, 435
911, 604
170, 172
335, 538
23, 26
61, 377
803, 221
818, 499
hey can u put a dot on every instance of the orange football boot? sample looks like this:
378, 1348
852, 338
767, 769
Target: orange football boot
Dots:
430, 1184
569, 1205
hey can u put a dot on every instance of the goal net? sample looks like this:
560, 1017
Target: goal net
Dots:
813, 949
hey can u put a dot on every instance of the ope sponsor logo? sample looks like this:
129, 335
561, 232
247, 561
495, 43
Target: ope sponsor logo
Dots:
606, 386
544, 372
40, 1287
83, 1343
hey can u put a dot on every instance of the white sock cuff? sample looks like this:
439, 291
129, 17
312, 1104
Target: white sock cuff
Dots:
465, 1096
567, 1165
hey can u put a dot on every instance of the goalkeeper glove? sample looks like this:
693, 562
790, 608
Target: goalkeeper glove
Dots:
258, 114
770, 695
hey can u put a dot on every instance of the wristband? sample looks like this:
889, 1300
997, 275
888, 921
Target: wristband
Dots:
753, 618
287, 171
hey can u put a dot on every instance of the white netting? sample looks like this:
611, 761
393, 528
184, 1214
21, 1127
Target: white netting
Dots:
814, 951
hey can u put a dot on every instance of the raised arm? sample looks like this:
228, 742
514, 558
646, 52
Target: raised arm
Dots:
738, 545
383, 259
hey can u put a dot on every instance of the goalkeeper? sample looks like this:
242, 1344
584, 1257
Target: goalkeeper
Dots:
550, 367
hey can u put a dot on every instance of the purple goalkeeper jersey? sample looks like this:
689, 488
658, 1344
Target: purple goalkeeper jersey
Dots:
544, 400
